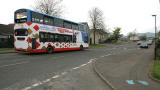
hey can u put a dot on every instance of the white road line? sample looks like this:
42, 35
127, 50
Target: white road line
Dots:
27, 88
90, 61
47, 80
56, 76
75, 68
14, 64
36, 84
108, 55
40, 83
83, 65
64, 73
102, 56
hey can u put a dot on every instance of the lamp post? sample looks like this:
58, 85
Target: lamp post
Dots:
155, 50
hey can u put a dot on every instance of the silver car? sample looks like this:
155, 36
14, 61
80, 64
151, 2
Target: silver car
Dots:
144, 45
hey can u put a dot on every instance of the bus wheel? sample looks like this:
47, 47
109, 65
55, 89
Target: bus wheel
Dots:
49, 50
81, 47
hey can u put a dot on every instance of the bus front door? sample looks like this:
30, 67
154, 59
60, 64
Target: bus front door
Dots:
33, 43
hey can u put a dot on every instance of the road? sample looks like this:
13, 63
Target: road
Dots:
19, 70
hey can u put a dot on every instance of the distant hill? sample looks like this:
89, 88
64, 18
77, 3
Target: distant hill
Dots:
6, 29
148, 34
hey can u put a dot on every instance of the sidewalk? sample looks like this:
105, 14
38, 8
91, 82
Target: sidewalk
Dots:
7, 51
128, 70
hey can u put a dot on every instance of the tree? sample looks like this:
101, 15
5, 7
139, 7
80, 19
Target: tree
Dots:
116, 34
51, 7
96, 20
132, 34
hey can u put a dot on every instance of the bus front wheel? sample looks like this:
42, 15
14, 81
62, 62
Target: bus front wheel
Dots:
49, 50
81, 47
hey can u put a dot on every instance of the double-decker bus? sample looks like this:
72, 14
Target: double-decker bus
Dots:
36, 32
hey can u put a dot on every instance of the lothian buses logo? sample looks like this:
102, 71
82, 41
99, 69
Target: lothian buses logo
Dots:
47, 28
61, 30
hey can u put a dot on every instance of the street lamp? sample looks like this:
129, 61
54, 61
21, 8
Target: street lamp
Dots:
155, 50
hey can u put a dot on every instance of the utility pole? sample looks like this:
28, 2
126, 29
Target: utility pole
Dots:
155, 49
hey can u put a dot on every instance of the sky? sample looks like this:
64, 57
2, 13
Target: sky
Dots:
130, 15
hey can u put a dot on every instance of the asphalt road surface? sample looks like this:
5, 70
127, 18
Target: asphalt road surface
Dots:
19, 70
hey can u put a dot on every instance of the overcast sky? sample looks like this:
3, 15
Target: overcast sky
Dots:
127, 14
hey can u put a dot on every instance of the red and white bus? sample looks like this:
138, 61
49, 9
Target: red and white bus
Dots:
36, 32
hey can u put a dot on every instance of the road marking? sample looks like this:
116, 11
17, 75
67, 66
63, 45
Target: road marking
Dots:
63, 73
14, 64
47, 80
27, 88
102, 56
36, 84
131, 82
57, 76
41, 82
107, 55
75, 68
83, 65
143, 82
92, 59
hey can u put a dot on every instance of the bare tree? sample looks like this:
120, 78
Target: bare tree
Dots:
51, 7
132, 34
96, 20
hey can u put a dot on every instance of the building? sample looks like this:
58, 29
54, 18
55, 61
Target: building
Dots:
100, 36
134, 38
6, 35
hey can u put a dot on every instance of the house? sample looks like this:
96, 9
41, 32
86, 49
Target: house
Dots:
100, 36
134, 38
6, 35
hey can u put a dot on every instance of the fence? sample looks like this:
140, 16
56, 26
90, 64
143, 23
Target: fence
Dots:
7, 42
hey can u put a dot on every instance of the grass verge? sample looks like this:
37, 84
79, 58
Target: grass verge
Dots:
97, 46
4, 49
156, 70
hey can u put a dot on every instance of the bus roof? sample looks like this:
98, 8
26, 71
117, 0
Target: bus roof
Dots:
49, 15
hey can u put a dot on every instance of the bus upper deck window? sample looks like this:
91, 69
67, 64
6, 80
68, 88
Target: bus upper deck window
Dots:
21, 16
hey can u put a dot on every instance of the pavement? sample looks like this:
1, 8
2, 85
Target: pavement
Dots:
127, 70
7, 51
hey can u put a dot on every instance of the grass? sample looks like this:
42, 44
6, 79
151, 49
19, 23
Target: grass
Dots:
4, 49
156, 70
97, 46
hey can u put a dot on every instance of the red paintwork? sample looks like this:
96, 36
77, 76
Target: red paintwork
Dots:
29, 40
44, 50
29, 23
32, 50
36, 27
37, 44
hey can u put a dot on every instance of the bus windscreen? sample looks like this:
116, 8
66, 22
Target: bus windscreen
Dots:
21, 32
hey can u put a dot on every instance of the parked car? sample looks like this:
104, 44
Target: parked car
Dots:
149, 42
139, 42
144, 45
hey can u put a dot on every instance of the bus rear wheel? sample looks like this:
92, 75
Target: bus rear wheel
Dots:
49, 50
